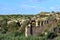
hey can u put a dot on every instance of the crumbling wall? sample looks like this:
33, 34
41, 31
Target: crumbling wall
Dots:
39, 29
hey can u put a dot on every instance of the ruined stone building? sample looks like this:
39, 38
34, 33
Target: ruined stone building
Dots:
37, 26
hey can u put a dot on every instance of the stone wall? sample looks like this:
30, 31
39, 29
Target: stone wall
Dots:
39, 27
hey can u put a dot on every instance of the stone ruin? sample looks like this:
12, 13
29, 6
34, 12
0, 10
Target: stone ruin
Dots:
37, 26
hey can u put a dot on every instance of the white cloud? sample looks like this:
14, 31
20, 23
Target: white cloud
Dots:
35, 1
55, 8
31, 8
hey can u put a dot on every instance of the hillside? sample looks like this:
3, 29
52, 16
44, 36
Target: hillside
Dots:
13, 26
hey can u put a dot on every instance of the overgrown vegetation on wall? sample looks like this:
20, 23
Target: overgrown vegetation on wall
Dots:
10, 31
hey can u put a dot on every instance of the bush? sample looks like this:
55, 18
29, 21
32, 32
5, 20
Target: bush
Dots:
51, 35
21, 37
18, 34
12, 27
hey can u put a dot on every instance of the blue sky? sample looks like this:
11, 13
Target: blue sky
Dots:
28, 6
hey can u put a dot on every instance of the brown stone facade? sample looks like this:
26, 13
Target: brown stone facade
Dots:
39, 27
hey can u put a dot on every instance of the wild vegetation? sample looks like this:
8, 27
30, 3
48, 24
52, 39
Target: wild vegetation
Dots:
11, 31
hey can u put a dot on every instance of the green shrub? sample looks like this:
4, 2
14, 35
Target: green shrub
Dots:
51, 35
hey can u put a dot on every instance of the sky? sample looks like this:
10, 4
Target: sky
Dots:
28, 6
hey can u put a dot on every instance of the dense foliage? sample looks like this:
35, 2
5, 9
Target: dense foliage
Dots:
9, 31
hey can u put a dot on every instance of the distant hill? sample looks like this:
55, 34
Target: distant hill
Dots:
43, 13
